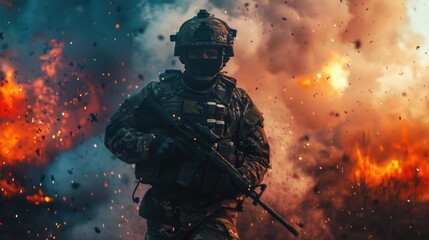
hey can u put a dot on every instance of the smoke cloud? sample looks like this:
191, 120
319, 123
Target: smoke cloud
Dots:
342, 85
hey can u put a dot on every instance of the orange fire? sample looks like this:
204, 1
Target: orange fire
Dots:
52, 60
401, 161
26, 129
10, 92
39, 198
333, 77
408, 172
10, 188
11, 98
36, 119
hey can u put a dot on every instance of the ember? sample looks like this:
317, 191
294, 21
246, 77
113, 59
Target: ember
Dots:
10, 188
35, 124
39, 198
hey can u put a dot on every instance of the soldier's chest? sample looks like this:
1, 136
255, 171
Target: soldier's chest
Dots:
206, 109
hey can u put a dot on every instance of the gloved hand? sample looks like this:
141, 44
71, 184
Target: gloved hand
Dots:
164, 147
218, 185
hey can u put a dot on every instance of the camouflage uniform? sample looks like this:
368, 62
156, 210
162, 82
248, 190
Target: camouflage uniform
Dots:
172, 210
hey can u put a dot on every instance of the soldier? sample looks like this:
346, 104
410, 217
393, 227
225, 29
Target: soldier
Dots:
208, 206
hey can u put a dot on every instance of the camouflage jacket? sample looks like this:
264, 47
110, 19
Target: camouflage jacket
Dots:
126, 138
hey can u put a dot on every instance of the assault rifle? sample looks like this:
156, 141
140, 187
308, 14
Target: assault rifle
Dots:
200, 141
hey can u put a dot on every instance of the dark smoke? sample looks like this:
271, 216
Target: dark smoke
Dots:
116, 45
90, 200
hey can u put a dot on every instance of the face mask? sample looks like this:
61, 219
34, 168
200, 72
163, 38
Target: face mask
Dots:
199, 67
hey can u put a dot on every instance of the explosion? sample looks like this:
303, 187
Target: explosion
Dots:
401, 159
333, 77
10, 189
342, 85
39, 118
405, 165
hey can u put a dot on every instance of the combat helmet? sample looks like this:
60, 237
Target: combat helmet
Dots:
204, 30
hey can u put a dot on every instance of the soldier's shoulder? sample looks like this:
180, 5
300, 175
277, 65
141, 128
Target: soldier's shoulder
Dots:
241, 95
151, 89
170, 75
252, 115
238, 94
228, 80
241, 92
168, 80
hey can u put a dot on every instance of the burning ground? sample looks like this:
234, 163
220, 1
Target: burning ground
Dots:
342, 85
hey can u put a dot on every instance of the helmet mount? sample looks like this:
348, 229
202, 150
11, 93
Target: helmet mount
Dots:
204, 31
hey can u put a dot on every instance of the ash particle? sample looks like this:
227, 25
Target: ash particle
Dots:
75, 185
357, 43
94, 117
37, 152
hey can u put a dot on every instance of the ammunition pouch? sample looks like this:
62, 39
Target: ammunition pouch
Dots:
255, 121
226, 148
253, 116
147, 172
149, 208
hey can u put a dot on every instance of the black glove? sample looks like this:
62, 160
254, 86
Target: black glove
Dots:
218, 185
164, 147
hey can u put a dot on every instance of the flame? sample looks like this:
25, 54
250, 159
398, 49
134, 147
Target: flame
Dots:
333, 76
29, 129
20, 132
52, 60
39, 198
368, 169
11, 97
10, 92
410, 172
10, 188
40, 118
336, 76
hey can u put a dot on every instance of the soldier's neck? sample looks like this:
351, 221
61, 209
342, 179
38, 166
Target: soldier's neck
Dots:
199, 84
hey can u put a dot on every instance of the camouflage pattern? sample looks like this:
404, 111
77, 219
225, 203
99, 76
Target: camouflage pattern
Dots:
190, 220
172, 211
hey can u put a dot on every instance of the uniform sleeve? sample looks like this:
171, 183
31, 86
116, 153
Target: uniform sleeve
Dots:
253, 144
122, 137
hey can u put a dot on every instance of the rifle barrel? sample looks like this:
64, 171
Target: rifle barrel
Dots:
274, 214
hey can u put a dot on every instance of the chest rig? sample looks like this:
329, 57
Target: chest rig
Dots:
210, 109
206, 108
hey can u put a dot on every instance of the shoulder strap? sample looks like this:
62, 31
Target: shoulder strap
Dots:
226, 88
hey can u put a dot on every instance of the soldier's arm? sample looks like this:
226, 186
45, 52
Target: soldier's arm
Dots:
122, 137
253, 143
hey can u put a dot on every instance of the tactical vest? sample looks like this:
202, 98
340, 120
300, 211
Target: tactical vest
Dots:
211, 110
